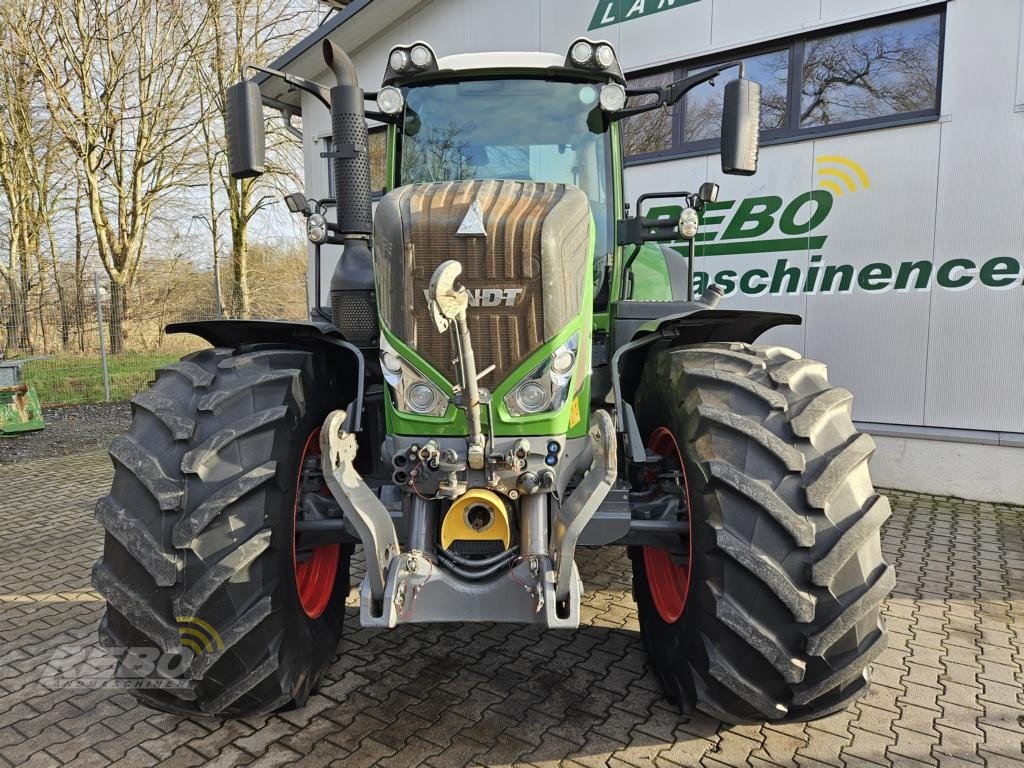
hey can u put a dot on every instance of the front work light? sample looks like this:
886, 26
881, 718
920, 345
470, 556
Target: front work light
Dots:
689, 221
316, 228
604, 55
390, 100
613, 97
296, 202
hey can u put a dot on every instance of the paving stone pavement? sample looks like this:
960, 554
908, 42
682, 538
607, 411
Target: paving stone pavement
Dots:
947, 692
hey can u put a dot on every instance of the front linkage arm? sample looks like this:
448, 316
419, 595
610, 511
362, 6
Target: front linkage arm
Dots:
361, 506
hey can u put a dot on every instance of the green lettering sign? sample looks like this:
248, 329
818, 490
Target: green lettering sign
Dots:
755, 217
819, 211
1001, 272
956, 274
610, 12
875, 277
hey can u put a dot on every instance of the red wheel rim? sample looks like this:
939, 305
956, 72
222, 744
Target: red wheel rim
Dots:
314, 577
669, 582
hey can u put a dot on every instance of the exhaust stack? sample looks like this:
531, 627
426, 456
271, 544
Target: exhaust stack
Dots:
349, 145
353, 307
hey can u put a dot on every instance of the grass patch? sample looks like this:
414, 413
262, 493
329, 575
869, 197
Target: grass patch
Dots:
73, 380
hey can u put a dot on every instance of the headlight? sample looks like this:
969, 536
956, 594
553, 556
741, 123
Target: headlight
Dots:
421, 397
316, 228
412, 391
390, 100
546, 388
689, 220
531, 397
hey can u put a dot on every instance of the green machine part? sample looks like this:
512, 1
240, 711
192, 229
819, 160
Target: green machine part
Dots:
20, 410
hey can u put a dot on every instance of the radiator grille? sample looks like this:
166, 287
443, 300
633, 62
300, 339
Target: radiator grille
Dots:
415, 231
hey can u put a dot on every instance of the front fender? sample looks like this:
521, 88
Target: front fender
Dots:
319, 337
692, 324
234, 333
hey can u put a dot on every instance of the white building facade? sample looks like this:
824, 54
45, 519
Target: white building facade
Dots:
888, 210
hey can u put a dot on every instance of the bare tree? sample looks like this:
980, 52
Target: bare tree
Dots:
118, 88
243, 32
28, 164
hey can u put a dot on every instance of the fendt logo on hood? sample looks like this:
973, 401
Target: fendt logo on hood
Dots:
489, 297
610, 12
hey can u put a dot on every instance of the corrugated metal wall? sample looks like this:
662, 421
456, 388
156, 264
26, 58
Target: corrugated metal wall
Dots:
938, 191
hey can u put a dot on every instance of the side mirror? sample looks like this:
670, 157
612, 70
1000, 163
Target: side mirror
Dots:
708, 192
246, 139
741, 127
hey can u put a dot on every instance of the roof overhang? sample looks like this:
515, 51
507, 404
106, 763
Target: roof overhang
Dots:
351, 28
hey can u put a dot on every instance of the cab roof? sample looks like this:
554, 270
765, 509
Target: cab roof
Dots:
462, 62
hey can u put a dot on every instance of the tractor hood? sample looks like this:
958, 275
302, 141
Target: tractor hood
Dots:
525, 250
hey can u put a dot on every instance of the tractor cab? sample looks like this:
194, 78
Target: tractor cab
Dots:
517, 117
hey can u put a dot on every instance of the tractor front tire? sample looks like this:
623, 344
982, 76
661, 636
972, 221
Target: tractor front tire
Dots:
199, 570
775, 614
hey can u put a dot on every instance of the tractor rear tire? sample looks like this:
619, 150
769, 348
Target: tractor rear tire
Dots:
198, 568
776, 615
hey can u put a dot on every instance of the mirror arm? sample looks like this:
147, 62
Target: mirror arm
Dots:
679, 88
670, 94
299, 82
321, 93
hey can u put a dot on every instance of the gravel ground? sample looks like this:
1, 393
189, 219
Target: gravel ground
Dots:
69, 429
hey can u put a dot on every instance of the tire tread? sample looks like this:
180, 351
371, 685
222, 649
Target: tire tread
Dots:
764, 434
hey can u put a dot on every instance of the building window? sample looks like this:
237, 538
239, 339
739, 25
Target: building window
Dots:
378, 148
647, 132
879, 73
703, 113
871, 73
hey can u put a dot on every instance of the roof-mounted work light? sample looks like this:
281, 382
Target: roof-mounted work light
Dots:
408, 60
595, 56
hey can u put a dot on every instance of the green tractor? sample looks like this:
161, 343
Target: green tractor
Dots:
513, 366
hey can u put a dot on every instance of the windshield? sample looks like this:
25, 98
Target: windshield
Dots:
531, 130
